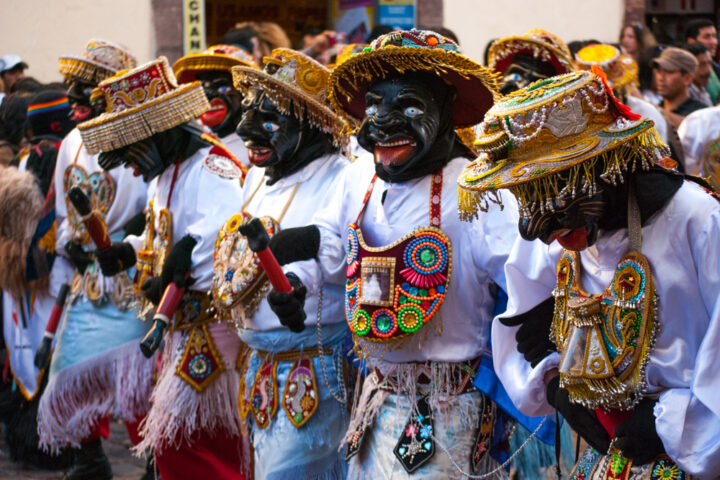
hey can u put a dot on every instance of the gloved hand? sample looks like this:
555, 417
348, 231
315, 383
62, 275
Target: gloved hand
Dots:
176, 268
119, 257
637, 436
78, 256
135, 225
581, 419
151, 342
289, 306
533, 336
294, 244
42, 357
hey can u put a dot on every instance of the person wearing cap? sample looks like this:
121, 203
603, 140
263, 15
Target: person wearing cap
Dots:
418, 296
674, 71
613, 316
27, 250
12, 69
212, 68
149, 127
96, 369
523, 59
294, 140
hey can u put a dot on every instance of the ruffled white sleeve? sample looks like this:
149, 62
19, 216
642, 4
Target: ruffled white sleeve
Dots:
530, 275
688, 419
693, 137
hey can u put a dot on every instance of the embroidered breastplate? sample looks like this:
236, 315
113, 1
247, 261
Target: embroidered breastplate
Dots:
392, 291
100, 189
604, 340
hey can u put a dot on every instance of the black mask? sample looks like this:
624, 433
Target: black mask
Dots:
225, 103
408, 127
524, 70
79, 97
575, 223
282, 144
151, 156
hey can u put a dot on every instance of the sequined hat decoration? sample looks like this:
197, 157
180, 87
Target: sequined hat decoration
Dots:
141, 103
294, 82
621, 70
557, 127
415, 51
100, 60
538, 43
216, 58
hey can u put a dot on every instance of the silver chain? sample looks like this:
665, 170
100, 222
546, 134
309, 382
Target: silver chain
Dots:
340, 397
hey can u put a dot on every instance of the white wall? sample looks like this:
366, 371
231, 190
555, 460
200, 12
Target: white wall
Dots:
40, 31
478, 21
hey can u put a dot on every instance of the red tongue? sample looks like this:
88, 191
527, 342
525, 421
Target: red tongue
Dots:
216, 115
393, 155
80, 113
575, 240
258, 158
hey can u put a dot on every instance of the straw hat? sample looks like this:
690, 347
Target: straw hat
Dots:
100, 59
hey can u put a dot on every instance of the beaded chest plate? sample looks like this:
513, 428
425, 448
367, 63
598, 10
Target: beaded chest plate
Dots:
392, 291
100, 189
604, 340
239, 280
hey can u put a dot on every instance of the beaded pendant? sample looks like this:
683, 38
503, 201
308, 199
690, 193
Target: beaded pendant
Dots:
201, 362
416, 446
483, 436
300, 398
264, 394
604, 340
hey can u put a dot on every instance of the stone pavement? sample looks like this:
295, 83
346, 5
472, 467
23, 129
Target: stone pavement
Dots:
117, 448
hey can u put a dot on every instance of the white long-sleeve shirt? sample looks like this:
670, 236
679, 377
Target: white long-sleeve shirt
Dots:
681, 242
697, 132
201, 203
479, 252
315, 184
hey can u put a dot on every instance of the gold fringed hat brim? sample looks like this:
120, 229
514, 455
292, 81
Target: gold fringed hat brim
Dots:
619, 148
111, 131
503, 51
76, 68
187, 68
284, 96
476, 86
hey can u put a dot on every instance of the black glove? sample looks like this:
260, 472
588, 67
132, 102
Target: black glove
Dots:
78, 256
581, 419
152, 340
533, 336
119, 257
135, 225
289, 306
176, 268
42, 357
637, 436
294, 244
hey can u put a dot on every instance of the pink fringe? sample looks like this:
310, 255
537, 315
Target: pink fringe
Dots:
117, 383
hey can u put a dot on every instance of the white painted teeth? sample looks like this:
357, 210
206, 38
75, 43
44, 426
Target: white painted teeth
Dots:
396, 143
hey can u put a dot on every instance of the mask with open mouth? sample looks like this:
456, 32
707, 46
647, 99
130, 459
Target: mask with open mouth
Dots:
408, 126
225, 102
282, 144
81, 107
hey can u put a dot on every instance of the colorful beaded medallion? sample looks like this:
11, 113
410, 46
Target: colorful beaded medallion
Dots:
98, 186
393, 291
604, 340
239, 279
416, 446
300, 399
711, 163
201, 362
264, 395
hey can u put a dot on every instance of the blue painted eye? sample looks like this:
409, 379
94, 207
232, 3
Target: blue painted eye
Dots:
371, 110
223, 89
413, 111
270, 127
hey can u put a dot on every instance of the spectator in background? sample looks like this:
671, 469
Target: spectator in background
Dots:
27, 87
13, 123
648, 89
12, 69
702, 74
635, 39
703, 30
257, 38
674, 70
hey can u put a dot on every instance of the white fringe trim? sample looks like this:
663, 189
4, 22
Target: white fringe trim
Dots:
178, 410
117, 383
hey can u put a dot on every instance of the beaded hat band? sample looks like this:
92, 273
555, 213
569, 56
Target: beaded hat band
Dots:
141, 103
559, 127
